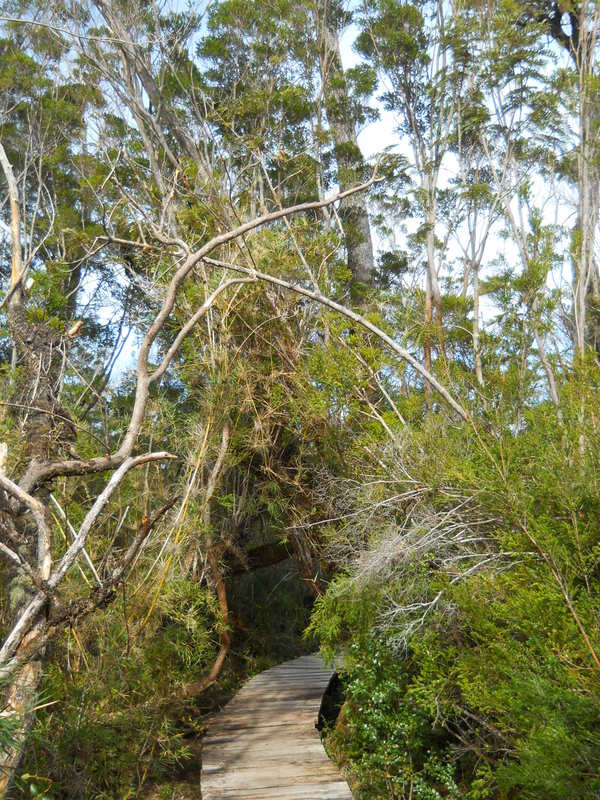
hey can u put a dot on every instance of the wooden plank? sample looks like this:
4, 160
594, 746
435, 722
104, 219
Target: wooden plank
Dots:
264, 743
336, 790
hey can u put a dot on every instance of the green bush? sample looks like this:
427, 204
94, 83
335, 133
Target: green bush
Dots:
494, 693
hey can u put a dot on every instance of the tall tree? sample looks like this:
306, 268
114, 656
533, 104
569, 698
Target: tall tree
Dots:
408, 45
343, 115
575, 28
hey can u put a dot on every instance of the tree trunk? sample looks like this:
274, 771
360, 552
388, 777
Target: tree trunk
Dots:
47, 429
580, 41
476, 348
20, 703
354, 214
433, 284
586, 298
428, 324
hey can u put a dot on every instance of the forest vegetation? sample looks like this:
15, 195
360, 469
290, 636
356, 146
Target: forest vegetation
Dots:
300, 341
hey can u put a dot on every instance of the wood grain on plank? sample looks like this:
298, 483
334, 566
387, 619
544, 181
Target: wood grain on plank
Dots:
264, 743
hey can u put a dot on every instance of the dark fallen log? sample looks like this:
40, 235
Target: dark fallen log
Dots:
265, 555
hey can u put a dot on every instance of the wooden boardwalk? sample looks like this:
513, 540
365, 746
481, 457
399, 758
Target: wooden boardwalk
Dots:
264, 744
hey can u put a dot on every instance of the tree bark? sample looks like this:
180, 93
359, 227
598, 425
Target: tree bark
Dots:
476, 347
579, 39
353, 210
433, 312
47, 430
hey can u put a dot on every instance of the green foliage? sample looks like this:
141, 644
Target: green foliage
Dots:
497, 683
391, 741
117, 728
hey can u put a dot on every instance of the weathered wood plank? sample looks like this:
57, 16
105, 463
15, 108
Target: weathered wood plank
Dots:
264, 744
309, 791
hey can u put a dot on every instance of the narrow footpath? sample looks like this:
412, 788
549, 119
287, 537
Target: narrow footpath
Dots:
264, 743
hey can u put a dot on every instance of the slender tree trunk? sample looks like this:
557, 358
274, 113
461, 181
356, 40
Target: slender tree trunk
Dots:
46, 430
196, 688
350, 164
433, 298
476, 348
20, 704
303, 557
432, 275
581, 43
428, 326
585, 269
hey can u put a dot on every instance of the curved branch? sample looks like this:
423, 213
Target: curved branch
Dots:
38, 472
64, 31
99, 596
29, 614
193, 320
37, 510
360, 320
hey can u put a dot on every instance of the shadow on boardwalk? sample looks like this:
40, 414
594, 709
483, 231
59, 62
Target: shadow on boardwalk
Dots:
264, 744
